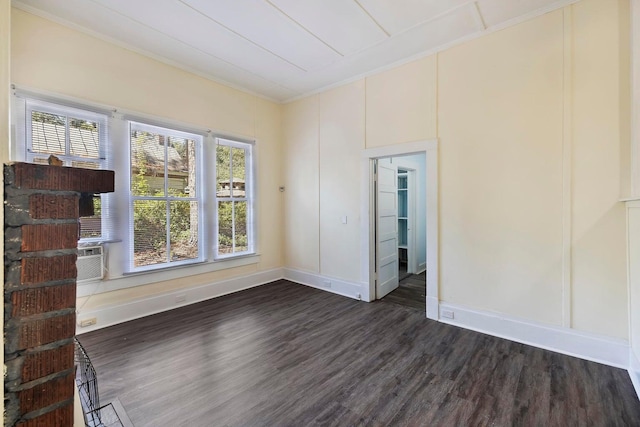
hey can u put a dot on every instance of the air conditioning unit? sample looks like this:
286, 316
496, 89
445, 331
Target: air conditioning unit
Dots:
90, 264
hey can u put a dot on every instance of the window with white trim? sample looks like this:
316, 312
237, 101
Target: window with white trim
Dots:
234, 198
183, 196
166, 197
78, 138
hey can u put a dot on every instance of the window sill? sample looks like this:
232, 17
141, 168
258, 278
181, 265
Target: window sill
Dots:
142, 278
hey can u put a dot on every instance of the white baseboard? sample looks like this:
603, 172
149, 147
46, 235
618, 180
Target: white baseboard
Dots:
422, 267
634, 371
609, 351
112, 315
329, 284
432, 308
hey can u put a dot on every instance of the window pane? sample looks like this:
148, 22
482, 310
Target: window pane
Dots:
225, 227
223, 171
147, 163
239, 161
83, 138
48, 133
149, 232
183, 229
181, 155
91, 226
240, 220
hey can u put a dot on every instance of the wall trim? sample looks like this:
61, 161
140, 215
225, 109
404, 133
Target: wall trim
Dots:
114, 314
336, 286
634, 371
596, 348
430, 148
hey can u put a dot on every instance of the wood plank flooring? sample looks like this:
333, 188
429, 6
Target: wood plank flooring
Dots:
288, 355
411, 292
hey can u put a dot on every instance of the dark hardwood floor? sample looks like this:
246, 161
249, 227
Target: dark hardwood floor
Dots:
411, 292
288, 355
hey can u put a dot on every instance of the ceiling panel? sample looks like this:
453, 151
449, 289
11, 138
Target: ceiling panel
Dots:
423, 38
266, 26
399, 15
199, 34
286, 48
341, 24
496, 12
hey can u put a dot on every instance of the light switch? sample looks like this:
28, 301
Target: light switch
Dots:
344, 219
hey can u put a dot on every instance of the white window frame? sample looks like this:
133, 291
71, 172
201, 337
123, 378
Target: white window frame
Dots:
23, 143
199, 198
249, 198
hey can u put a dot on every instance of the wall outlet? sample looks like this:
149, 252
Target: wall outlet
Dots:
326, 283
181, 298
447, 314
88, 322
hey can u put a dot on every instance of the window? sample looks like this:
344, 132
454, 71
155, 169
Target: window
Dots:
79, 139
182, 196
166, 199
234, 201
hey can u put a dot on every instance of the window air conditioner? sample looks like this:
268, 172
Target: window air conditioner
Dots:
90, 264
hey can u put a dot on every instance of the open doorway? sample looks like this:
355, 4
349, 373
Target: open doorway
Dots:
400, 229
380, 244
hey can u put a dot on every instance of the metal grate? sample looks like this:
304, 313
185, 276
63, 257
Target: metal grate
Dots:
87, 382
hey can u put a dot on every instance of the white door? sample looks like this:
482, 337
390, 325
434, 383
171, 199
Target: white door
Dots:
386, 228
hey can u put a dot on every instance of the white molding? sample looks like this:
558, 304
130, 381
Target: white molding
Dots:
430, 148
567, 154
337, 286
114, 314
152, 276
634, 371
635, 101
596, 348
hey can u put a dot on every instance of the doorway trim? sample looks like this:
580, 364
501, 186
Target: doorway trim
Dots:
430, 149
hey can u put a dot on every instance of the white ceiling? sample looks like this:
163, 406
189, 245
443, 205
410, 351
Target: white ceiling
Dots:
283, 49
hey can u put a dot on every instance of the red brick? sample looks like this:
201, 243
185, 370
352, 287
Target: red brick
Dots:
40, 270
46, 177
60, 417
28, 302
34, 333
49, 206
49, 393
43, 363
43, 237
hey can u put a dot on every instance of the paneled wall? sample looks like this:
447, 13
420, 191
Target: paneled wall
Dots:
532, 123
113, 76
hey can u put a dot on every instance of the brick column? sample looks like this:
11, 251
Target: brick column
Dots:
41, 232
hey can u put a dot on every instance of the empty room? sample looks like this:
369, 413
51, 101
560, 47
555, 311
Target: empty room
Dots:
292, 213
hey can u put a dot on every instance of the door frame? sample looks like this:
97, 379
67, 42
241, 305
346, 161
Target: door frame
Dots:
430, 149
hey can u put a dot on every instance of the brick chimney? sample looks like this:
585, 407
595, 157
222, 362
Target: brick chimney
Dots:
41, 237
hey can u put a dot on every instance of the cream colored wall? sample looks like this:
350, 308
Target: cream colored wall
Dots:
634, 276
324, 137
5, 59
114, 76
302, 191
500, 128
531, 122
342, 128
600, 80
401, 104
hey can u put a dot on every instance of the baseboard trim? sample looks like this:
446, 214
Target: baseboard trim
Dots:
634, 371
336, 286
112, 315
605, 350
